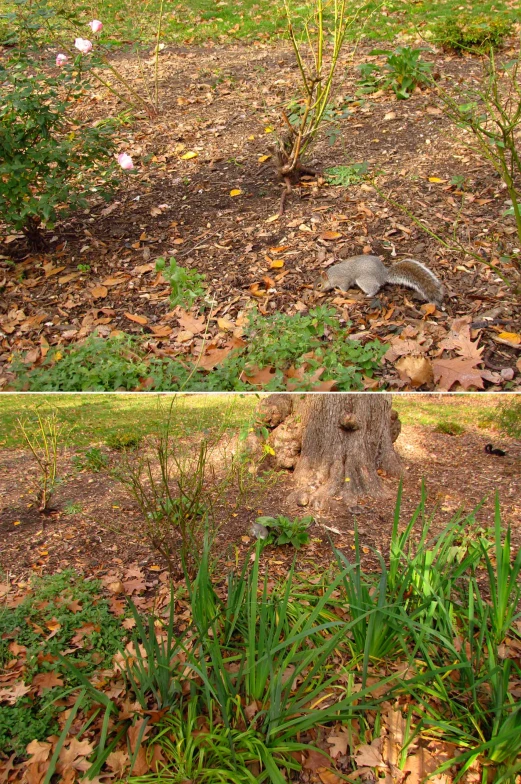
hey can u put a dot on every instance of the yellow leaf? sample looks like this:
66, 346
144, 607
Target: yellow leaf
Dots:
58, 356
512, 337
225, 324
251, 138
276, 263
263, 158
236, 192
17, 522
435, 179
155, 568
189, 155
272, 218
268, 129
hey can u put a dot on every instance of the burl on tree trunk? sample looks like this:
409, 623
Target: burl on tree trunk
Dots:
335, 443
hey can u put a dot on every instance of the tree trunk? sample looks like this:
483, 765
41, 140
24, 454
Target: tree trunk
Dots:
336, 444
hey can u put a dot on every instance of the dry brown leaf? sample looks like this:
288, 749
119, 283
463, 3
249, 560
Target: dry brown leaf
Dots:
50, 270
39, 750
117, 761
213, 357
416, 370
190, 323
12, 694
327, 776
339, 742
330, 235
68, 278
116, 280
225, 325
420, 765
315, 759
162, 331
98, 292
369, 755
138, 319
258, 377
448, 372
46, 680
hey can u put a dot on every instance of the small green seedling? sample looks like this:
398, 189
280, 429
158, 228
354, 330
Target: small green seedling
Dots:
185, 285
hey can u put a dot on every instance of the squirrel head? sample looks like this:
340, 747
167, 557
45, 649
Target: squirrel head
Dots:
322, 283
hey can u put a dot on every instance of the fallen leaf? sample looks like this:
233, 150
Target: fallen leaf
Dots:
235, 192
39, 750
339, 742
328, 777
189, 155
46, 680
330, 235
276, 263
448, 372
369, 755
189, 322
138, 319
417, 370
258, 377
98, 292
436, 179
315, 759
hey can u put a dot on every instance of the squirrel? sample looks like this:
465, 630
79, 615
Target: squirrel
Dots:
370, 274
490, 450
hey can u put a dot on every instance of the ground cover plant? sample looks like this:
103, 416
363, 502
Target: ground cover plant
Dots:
202, 190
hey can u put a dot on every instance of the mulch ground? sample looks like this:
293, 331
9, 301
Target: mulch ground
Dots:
104, 538
223, 103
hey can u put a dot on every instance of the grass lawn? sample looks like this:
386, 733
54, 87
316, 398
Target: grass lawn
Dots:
93, 418
224, 21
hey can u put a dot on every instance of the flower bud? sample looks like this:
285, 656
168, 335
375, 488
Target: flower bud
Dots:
96, 26
83, 44
125, 161
61, 59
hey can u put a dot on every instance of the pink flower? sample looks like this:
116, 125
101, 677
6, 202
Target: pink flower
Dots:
125, 161
61, 59
96, 26
83, 44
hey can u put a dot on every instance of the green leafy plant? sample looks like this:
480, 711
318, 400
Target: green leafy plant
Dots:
93, 459
347, 175
283, 530
464, 32
48, 164
450, 428
402, 72
42, 433
186, 285
313, 343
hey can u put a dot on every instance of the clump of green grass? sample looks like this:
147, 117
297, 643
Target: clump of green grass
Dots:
450, 428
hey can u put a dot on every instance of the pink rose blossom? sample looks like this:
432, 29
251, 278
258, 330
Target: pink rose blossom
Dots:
61, 59
96, 26
125, 161
83, 44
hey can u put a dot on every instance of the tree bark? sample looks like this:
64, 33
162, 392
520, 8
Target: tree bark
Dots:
337, 444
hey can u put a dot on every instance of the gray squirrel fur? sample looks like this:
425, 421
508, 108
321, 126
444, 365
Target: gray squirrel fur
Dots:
369, 273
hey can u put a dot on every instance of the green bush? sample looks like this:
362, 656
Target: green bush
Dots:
48, 163
467, 33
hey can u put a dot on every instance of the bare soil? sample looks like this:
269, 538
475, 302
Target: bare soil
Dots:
105, 537
223, 104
